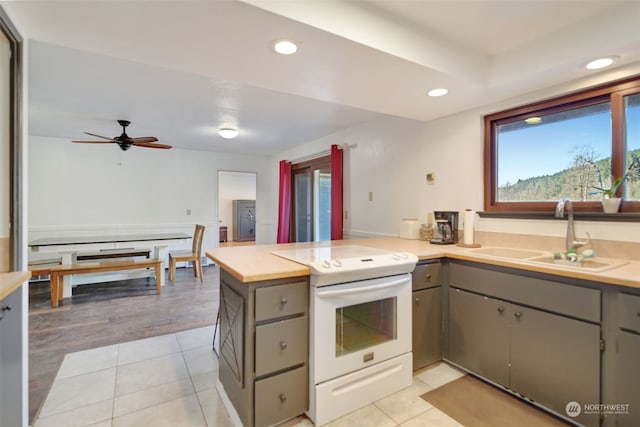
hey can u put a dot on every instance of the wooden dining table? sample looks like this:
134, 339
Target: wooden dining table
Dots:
68, 246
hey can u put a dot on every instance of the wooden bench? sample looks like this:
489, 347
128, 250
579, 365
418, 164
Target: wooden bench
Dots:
58, 272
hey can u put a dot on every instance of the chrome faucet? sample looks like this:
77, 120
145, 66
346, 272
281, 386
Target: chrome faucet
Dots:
572, 243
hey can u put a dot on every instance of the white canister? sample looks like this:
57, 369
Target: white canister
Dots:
410, 228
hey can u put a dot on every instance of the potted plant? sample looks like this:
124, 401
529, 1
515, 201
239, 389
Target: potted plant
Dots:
611, 203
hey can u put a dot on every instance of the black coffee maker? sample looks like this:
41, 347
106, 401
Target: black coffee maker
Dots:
445, 229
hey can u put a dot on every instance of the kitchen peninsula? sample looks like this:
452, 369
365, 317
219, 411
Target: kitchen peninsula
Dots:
585, 313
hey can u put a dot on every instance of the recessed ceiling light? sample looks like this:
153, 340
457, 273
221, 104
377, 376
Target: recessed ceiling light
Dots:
285, 47
228, 133
600, 63
533, 120
438, 92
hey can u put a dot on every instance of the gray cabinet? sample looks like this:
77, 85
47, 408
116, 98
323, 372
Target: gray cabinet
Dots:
264, 348
427, 314
552, 358
244, 220
11, 403
479, 335
627, 371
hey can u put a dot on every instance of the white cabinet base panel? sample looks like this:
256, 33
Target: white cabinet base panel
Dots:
335, 398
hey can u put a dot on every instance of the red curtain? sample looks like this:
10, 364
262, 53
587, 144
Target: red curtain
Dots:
284, 202
336, 193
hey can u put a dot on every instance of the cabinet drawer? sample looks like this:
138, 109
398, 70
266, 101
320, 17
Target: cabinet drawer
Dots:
281, 397
280, 345
281, 300
629, 312
426, 276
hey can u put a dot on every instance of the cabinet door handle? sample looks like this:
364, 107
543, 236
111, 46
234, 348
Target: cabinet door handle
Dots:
8, 308
283, 300
417, 300
283, 397
501, 309
638, 314
283, 345
428, 276
518, 314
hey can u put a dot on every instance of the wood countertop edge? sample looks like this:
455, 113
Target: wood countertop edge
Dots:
292, 269
11, 281
558, 271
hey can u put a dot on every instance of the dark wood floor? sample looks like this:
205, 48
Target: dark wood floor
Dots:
116, 312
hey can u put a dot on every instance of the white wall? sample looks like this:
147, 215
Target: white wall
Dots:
391, 156
234, 186
80, 189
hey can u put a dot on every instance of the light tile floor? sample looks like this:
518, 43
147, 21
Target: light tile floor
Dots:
170, 380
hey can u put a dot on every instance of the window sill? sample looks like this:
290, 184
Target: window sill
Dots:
580, 216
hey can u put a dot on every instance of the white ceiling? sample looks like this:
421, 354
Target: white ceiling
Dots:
179, 70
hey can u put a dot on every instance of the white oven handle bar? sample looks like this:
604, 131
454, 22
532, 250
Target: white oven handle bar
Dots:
360, 290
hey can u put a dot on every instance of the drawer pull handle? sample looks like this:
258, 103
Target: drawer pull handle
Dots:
283, 300
283, 345
283, 397
428, 276
418, 300
501, 309
518, 315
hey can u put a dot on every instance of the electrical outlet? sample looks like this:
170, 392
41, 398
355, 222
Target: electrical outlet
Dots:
371, 196
346, 214
188, 211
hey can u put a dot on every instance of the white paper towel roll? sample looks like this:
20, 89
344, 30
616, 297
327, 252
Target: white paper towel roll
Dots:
469, 218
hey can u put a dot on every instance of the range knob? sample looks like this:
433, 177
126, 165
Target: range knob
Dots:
326, 263
337, 263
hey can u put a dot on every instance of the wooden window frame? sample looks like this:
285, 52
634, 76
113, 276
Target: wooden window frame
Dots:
613, 92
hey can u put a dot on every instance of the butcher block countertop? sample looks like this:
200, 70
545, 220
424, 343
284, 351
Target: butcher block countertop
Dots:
256, 263
9, 282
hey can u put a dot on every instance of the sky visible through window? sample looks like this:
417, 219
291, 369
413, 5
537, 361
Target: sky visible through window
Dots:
545, 149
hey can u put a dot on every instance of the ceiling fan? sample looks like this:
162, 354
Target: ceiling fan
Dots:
124, 141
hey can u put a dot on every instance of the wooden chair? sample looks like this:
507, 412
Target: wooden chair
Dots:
194, 255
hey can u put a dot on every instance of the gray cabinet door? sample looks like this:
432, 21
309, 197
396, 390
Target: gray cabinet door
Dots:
479, 334
427, 327
555, 360
628, 378
11, 360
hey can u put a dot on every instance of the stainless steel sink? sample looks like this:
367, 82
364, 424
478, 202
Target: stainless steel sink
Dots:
591, 264
507, 253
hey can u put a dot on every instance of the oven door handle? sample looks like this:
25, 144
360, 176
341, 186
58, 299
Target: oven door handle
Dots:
359, 290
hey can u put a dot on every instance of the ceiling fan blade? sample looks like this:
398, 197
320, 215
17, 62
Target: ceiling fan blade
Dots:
98, 136
144, 139
94, 142
151, 145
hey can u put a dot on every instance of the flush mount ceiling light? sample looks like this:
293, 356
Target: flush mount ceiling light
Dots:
228, 133
285, 47
596, 64
438, 92
533, 120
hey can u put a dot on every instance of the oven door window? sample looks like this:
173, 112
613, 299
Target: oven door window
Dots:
365, 325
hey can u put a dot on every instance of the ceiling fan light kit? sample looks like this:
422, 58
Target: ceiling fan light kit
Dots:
124, 141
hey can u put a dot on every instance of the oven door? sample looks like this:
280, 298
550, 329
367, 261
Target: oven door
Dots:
359, 324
